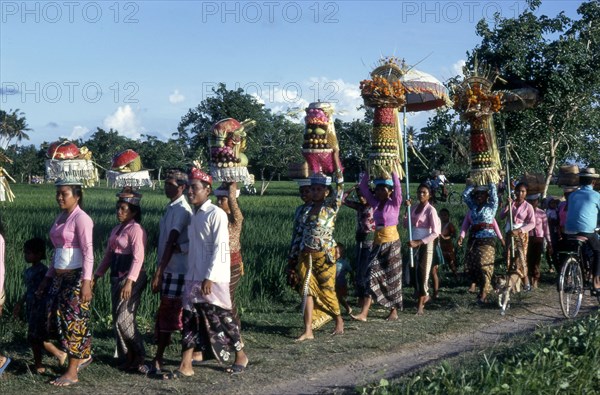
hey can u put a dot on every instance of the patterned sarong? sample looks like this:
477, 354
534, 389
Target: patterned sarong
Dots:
385, 274
479, 257
235, 276
535, 249
318, 280
363, 252
124, 311
212, 330
517, 263
68, 318
424, 259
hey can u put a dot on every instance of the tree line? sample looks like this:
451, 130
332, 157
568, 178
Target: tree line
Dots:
557, 56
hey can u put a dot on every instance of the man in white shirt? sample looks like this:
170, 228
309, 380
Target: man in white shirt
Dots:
169, 279
213, 330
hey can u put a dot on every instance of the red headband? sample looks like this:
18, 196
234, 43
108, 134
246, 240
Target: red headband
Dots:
197, 174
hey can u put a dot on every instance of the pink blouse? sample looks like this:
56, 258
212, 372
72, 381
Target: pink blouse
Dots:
522, 215
562, 214
75, 232
541, 225
427, 220
468, 222
386, 214
129, 238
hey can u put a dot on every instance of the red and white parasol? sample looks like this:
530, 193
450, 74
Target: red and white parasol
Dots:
424, 92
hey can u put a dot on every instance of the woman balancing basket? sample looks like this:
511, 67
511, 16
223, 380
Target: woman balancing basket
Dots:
227, 142
385, 93
320, 139
476, 103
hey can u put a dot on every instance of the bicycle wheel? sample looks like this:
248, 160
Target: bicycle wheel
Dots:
453, 198
570, 287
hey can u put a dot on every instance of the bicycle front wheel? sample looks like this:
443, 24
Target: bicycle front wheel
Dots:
570, 287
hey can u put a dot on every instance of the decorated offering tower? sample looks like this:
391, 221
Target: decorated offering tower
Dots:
385, 93
66, 160
476, 103
127, 170
319, 138
227, 143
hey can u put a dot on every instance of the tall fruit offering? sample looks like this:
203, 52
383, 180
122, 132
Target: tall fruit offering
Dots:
385, 93
320, 139
227, 143
476, 103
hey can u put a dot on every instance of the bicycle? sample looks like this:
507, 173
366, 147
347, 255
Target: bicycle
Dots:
575, 274
451, 196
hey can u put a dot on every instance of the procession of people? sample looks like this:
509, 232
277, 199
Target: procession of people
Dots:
200, 261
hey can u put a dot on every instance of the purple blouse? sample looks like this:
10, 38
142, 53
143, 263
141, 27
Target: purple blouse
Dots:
385, 214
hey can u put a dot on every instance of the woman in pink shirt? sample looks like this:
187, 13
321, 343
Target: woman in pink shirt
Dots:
426, 227
537, 235
385, 259
518, 236
70, 274
125, 257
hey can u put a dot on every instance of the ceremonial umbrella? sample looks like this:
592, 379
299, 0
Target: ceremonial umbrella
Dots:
423, 93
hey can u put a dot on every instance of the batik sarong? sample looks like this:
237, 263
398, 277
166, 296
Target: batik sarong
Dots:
124, 312
424, 260
318, 280
212, 330
363, 253
517, 262
479, 257
235, 276
67, 317
385, 274
535, 250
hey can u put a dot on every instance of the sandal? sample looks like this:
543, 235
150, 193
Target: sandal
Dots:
84, 365
236, 369
176, 375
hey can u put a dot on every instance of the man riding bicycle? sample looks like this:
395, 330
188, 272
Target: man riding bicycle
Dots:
582, 218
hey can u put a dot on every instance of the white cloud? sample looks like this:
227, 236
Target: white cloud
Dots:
457, 68
295, 97
78, 132
176, 97
126, 121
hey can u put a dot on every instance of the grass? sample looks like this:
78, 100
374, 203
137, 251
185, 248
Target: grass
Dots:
561, 360
269, 309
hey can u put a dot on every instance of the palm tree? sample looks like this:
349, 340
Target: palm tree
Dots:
13, 126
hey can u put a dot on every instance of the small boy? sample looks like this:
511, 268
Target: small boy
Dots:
342, 268
34, 251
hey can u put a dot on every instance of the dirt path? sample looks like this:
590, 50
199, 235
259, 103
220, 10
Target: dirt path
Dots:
415, 356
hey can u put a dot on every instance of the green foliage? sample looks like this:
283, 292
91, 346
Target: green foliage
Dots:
354, 139
13, 126
559, 57
272, 145
554, 361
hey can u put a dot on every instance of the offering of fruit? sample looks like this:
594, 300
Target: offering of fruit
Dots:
227, 143
126, 161
62, 150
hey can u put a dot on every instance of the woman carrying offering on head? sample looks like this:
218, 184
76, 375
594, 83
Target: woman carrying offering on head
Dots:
385, 259
481, 248
315, 253
70, 278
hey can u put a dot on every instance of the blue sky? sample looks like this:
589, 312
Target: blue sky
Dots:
138, 66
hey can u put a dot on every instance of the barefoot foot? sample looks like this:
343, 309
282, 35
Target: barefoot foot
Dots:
304, 337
